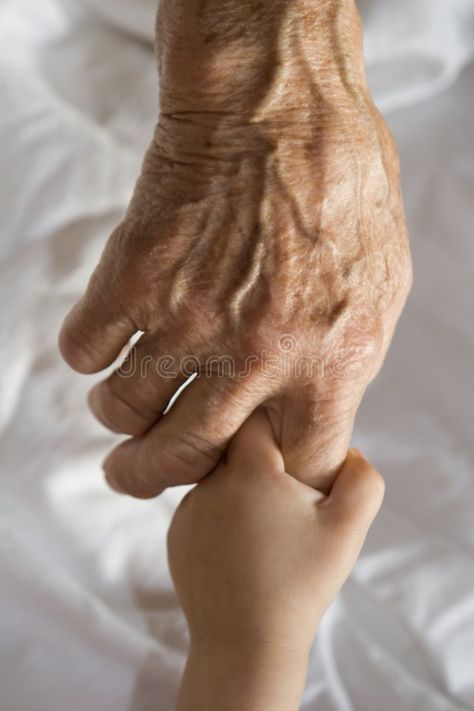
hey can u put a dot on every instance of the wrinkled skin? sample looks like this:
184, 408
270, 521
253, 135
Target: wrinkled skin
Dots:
266, 226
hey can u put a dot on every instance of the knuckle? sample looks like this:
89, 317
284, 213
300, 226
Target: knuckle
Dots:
359, 345
130, 396
185, 458
113, 408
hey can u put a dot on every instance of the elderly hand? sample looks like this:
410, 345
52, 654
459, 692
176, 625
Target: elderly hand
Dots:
264, 248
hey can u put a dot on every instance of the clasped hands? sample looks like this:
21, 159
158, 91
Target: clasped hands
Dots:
265, 252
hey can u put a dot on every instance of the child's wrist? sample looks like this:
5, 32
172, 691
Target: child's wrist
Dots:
275, 642
253, 675
252, 661
273, 651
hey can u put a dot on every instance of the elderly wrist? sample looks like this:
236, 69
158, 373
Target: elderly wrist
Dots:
231, 59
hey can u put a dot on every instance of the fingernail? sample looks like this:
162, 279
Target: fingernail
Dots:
361, 454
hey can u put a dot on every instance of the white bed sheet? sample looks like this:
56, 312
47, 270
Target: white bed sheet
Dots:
88, 617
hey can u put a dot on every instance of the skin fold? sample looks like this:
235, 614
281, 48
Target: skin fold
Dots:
266, 229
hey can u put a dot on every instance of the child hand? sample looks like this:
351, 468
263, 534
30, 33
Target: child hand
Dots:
256, 556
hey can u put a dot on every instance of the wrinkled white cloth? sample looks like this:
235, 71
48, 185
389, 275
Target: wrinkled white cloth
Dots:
88, 617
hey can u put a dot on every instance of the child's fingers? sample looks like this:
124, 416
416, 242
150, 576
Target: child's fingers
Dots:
253, 447
357, 493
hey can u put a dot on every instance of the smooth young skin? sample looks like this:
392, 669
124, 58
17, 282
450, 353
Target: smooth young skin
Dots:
267, 223
256, 558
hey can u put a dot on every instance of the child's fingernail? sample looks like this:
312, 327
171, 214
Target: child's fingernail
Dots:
361, 454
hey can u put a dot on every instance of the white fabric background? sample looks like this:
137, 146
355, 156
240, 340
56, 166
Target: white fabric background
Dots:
88, 618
